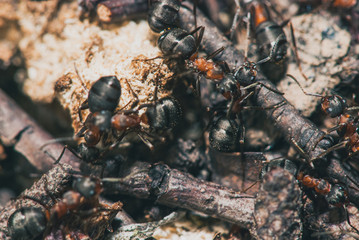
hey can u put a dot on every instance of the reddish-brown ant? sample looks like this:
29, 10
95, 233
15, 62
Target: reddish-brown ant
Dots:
83, 198
347, 128
335, 194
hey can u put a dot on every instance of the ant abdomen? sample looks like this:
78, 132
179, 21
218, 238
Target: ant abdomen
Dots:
177, 42
165, 114
271, 41
27, 223
163, 15
224, 135
104, 94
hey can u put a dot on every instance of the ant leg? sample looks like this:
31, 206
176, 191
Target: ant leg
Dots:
83, 106
274, 106
118, 140
229, 110
82, 82
162, 139
306, 93
48, 191
301, 151
248, 36
201, 31
331, 149
195, 13
146, 141
215, 53
273, 50
296, 51
236, 20
352, 108
348, 219
148, 59
262, 84
243, 132
35, 200
198, 86
81, 133
270, 5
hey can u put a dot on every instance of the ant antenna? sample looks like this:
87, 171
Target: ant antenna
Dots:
133, 93
57, 140
296, 51
82, 82
236, 19
306, 93
195, 14
248, 36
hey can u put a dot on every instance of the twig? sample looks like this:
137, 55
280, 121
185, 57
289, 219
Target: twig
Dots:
19, 130
177, 189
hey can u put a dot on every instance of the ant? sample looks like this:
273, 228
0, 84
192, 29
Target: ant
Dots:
32, 222
271, 41
335, 195
174, 41
347, 128
164, 114
102, 101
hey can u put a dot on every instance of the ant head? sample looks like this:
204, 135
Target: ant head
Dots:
247, 73
334, 105
87, 186
228, 86
337, 196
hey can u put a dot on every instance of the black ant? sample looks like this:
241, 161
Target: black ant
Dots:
271, 41
163, 15
174, 41
103, 99
32, 222
164, 114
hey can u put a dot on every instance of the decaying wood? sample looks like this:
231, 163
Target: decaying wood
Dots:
19, 130
177, 189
